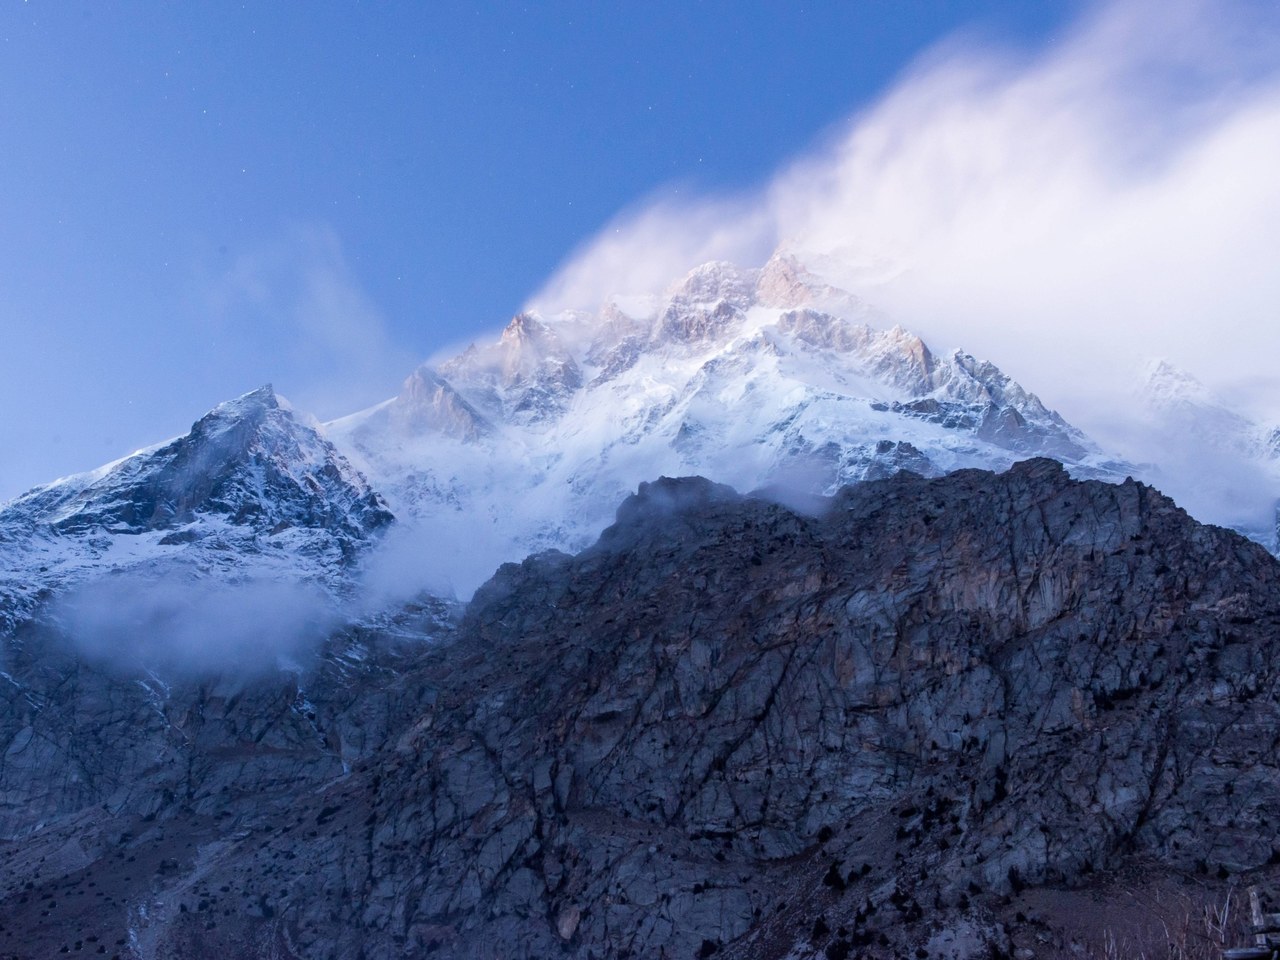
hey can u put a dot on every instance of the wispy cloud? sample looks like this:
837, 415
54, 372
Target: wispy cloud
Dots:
297, 300
184, 625
1110, 196
643, 249
1067, 213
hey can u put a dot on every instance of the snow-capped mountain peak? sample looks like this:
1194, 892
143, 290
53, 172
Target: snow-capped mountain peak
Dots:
524, 377
249, 487
716, 281
250, 460
1209, 452
785, 282
1180, 402
1166, 385
429, 403
751, 377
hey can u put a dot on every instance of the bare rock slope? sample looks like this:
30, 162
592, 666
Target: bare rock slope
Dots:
932, 720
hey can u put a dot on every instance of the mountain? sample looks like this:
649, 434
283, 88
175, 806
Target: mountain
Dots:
252, 490
756, 378
753, 378
766, 378
1208, 453
973, 716
1187, 406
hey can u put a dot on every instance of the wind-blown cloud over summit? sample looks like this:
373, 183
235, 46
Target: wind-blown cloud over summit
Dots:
1066, 214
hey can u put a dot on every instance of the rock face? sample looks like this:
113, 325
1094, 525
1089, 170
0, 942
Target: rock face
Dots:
249, 460
917, 722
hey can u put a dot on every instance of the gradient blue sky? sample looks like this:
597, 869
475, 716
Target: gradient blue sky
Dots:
199, 197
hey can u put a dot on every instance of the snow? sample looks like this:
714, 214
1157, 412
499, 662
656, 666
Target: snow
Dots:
1217, 462
251, 494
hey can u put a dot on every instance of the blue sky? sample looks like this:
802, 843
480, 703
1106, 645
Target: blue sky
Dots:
199, 197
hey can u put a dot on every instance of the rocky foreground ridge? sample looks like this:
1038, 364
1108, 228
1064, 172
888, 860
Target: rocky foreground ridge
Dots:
983, 715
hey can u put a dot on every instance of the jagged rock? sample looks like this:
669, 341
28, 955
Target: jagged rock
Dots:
88, 729
527, 377
429, 404
785, 282
909, 715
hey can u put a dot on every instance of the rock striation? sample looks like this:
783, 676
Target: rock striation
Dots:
926, 717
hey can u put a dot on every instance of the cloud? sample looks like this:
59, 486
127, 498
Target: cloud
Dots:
414, 558
182, 625
1067, 213
296, 303
1112, 196
646, 247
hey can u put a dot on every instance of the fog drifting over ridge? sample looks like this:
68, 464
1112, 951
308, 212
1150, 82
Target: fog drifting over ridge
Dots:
1066, 215
184, 625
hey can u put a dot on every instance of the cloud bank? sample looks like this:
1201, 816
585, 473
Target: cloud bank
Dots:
186, 626
1065, 214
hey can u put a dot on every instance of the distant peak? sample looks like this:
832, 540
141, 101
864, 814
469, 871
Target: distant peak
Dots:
786, 281
716, 280
1167, 384
525, 327
1160, 369
254, 407
423, 377
263, 398
429, 402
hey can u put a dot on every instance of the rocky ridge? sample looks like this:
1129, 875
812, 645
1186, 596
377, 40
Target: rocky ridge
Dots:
933, 719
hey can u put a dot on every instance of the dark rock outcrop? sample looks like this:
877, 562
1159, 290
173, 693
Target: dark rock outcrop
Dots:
918, 723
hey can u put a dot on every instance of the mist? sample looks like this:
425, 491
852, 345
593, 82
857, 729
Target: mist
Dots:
292, 311
183, 626
1068, 214
449, 557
